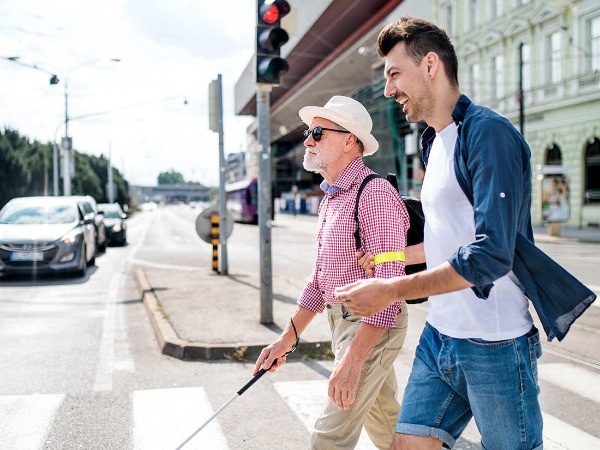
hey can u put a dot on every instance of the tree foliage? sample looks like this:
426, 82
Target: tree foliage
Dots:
26, 169
170, 177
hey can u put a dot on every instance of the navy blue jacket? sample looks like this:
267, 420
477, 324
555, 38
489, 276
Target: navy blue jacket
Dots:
492, 166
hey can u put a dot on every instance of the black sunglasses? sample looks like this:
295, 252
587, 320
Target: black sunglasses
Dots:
317, 132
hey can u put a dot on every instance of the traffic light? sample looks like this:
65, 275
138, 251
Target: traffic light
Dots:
269, 39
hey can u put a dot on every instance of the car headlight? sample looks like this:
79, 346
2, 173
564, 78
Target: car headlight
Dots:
72, 236
116, 228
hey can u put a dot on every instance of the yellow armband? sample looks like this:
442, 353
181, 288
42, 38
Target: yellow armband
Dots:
388, 257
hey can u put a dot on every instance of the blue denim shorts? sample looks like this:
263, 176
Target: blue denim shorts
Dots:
453, 380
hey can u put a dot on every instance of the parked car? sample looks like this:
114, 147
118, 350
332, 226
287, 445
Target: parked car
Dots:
92, 211
46, 234
115, 221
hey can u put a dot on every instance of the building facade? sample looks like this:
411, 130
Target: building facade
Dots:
535, 61
538, 63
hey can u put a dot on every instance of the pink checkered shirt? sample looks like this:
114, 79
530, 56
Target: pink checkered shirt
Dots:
383, 221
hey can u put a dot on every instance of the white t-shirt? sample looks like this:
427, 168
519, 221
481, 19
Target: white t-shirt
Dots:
449, 224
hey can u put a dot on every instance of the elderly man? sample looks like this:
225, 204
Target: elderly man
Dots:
362, 387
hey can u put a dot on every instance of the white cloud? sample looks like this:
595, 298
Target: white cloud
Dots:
168, 50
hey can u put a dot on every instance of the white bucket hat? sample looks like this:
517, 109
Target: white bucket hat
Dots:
347, 113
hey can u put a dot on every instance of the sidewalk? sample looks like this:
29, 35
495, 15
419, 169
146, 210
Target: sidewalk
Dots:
199, 315
567, 234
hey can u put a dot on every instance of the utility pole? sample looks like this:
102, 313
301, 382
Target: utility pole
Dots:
67, 148
109, 185
264, 202
215, 94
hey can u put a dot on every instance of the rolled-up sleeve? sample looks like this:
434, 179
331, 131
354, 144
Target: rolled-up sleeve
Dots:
384, 222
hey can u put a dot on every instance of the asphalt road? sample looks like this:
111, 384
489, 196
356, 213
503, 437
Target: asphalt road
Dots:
80, 366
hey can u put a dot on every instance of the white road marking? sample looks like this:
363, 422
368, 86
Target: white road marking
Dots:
26, 420
580, 381
164, 418
559, 435
306, 399
104, 371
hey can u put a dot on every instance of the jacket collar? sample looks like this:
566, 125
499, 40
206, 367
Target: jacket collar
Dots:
458, 115
460, 109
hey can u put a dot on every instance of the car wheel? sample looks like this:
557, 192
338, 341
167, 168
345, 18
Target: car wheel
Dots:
81, 270
101, 245
92, 261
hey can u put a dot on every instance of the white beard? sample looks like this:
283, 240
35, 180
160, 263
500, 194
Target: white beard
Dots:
313, 163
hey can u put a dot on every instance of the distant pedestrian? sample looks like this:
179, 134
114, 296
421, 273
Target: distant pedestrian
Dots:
362, 388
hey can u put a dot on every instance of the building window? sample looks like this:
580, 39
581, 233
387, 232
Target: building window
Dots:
497, 77
553, 155
595, 44
497, 8
554, 51
592, 172
475, 82
474, 13
449, 29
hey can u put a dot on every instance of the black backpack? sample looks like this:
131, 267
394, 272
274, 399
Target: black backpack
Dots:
415, 230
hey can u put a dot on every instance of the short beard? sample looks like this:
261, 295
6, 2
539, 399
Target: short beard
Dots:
313, 165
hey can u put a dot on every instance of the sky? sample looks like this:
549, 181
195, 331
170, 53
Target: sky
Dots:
134, 109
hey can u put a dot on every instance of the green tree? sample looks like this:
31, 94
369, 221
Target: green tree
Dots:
86, 181
26, 169
15, 177
170, 177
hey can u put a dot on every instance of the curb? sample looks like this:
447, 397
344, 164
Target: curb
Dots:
170, 344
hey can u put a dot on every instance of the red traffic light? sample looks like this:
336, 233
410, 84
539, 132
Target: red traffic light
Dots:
271, 13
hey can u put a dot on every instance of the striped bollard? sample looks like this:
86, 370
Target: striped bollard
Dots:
214, 239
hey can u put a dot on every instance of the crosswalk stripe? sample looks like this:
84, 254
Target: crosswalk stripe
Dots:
582, 382
26, 420
306, 399
559, 435
164, 418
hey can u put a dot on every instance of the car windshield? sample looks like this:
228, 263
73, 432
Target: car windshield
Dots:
112, 214
38, 214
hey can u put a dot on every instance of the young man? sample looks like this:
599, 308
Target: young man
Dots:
362, 387
477, 356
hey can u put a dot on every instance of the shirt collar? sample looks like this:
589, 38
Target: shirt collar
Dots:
345, 179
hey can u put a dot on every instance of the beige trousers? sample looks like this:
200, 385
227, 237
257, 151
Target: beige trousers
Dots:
376, 406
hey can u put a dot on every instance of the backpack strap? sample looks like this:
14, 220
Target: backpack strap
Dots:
360, 189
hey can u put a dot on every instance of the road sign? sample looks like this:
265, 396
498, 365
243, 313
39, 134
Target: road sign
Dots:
203, 224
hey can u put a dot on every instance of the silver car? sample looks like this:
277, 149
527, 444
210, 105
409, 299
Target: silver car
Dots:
45, 235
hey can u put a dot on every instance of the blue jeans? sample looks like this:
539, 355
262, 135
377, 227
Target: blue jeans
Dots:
453, 380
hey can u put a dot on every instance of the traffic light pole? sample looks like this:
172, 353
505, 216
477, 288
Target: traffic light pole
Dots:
264, 202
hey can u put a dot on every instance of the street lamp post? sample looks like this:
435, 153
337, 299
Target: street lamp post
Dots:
67, 142
96, 114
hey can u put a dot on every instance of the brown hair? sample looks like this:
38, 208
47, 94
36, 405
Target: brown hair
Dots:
420, 37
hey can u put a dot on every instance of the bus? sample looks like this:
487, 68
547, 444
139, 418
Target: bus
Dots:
242, 200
